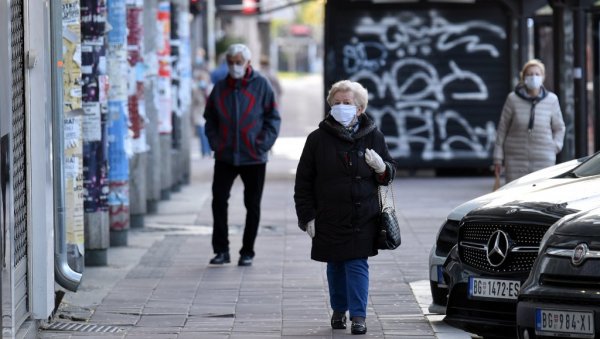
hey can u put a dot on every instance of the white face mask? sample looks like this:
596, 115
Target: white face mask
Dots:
533, 81
344, 114
237, 71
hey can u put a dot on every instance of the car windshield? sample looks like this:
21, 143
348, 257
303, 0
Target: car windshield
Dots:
588, 168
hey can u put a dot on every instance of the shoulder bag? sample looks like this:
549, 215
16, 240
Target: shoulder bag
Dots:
388, 237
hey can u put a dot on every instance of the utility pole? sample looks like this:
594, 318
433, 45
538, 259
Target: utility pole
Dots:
137, 114
118, 135
95, 143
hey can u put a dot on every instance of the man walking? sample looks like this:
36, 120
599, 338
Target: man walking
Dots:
242, 123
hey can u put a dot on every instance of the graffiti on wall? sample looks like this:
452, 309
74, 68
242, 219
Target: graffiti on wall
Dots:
428, 80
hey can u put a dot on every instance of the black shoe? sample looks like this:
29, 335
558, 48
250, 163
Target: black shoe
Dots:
245, 260
359, 326
338, 320
220, 259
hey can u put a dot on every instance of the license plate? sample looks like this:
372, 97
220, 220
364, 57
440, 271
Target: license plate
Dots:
568, 323
493, 288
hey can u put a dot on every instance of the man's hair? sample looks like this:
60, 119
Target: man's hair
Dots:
236, 49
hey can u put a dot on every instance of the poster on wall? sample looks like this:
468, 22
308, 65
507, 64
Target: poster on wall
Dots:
137, 74
117, 129
163, 103
94, 103
437, 76
164, 99
74, 179
185, 63
73, 132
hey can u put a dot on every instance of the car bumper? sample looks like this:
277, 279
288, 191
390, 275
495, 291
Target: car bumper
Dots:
439, 289
526, 314
485, 317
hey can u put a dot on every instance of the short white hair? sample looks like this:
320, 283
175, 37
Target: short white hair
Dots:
361, 95
236, 49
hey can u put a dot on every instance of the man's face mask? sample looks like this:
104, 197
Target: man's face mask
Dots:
237, 71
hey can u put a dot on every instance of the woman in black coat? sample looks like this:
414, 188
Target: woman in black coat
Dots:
342, 164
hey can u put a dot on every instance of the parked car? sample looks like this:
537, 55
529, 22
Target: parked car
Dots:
561, 297
498, 243
447, 235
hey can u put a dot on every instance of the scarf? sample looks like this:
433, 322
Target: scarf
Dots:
521, 92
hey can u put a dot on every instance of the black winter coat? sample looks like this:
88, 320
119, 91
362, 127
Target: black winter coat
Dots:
336, 187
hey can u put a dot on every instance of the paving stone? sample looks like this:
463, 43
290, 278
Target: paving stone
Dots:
172, 292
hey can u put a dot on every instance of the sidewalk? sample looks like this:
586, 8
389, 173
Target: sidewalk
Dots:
161, 286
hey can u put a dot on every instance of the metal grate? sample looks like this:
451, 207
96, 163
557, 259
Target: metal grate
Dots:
18, 122
521, 235
77, 327
19, 178
588, 283
516, 262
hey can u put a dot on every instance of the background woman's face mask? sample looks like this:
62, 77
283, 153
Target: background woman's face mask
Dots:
344, 114
533, 81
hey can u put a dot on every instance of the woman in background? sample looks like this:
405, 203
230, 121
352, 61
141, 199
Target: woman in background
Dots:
531, 128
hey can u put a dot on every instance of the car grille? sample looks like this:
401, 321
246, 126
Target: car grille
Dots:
518, 259
581, 283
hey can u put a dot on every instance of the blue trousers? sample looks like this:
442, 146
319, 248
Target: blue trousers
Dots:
204, 146
349, 286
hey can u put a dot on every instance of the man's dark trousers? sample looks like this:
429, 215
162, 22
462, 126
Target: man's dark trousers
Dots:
253, 178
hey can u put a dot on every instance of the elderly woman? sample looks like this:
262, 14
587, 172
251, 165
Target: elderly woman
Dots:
531, 128
342, 164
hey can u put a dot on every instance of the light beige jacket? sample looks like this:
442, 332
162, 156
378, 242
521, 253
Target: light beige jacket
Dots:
521, 151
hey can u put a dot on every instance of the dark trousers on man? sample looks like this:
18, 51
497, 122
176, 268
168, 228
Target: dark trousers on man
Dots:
253, 178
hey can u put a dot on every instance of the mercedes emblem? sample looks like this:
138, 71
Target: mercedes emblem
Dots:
497, 248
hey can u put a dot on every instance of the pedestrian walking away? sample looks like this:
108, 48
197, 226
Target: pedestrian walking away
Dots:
336, 197
531, 129
265, 69
200, 90
242, 124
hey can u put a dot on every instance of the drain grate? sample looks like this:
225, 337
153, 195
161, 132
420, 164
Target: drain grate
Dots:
64, 326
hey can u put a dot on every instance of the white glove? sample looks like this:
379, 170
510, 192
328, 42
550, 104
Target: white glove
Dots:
310, 228
374, 160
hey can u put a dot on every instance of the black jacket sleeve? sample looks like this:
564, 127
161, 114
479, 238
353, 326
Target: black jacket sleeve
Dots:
304, 194
380, 147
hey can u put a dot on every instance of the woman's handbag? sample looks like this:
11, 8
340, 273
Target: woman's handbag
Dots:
388, 237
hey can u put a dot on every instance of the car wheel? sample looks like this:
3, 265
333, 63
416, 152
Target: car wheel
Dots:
522, 335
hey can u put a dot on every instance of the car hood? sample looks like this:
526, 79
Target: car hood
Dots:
525, 183
584, 224
519, 212
545, 173
573, 193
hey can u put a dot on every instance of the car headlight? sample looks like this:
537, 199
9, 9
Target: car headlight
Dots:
550, 231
